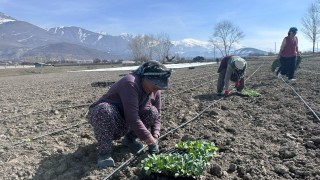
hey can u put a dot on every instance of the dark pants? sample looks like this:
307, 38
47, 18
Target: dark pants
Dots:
288, 65
220, 83
109, 125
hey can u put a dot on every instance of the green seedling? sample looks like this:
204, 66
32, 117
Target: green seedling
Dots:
251, 93
29, 140
192, 163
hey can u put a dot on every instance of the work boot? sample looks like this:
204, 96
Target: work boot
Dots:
134, 145
105, 161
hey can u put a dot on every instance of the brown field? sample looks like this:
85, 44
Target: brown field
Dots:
44, 133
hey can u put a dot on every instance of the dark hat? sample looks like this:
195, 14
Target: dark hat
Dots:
293, 29
159, 82
155, 73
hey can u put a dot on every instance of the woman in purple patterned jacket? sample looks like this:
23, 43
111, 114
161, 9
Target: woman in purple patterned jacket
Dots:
130, 108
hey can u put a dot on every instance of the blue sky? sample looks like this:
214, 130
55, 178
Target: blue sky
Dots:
264, 23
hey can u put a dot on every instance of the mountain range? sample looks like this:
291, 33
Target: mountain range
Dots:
20, 40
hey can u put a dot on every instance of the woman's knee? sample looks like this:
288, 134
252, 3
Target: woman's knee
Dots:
104, 116
149, 115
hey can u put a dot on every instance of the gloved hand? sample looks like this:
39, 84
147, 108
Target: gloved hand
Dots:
156, 136
153, 148
226, 93
237, 83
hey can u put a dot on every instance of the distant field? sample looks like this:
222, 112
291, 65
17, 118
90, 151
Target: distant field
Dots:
15, 67
12, 71
27, 70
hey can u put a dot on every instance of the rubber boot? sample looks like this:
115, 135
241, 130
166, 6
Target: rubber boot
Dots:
105, 161
134, 145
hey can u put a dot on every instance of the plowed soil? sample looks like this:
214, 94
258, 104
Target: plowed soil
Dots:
44, 133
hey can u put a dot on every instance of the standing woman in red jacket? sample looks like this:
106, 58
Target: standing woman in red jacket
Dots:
288, 54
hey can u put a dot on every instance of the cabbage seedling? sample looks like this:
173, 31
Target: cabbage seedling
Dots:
197, 156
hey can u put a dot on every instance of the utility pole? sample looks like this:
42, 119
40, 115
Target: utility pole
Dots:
275, 47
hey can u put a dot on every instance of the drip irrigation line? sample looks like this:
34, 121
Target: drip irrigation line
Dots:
194, 118
191, 88
191, 75
167, 133
253, 73
46, 110
186, 77
173, 84
305, 103
46, 134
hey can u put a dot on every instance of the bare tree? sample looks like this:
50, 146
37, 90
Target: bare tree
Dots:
311, 23
145, 47
163, 47
142, 47
170, 59
225, 35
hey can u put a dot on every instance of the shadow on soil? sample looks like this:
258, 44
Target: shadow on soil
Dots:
74, 165
68, 166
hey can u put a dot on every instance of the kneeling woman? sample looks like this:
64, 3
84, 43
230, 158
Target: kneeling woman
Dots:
130, 108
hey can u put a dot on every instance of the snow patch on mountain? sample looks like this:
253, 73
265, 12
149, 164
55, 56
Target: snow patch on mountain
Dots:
26, 39
103, 33
4, 18
82, 35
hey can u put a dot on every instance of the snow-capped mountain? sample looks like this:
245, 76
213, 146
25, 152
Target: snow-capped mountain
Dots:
250, 52
192, 48
116, 45
21, 40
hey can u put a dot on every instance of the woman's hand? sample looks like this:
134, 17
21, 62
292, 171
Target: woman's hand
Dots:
152, 145
156, 136
151, 140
